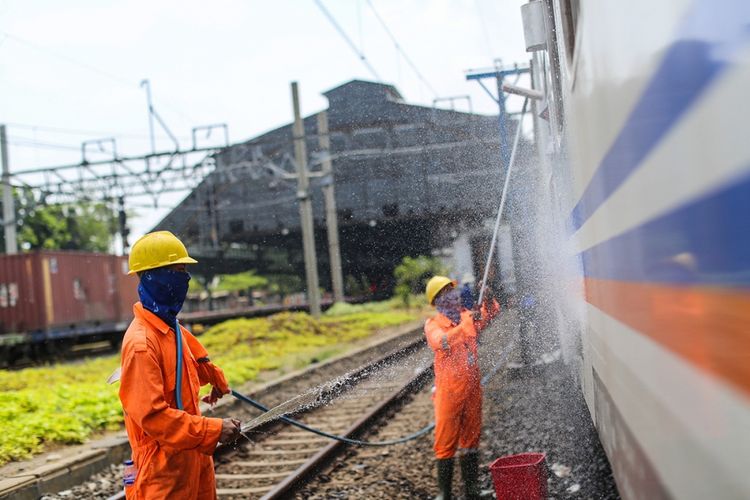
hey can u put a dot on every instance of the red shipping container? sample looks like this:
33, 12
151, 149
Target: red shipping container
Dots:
48, 290
520, 477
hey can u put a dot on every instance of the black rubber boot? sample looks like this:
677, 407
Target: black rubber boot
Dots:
470, 474
445, 478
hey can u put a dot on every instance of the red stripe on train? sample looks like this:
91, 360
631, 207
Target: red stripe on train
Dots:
709, 327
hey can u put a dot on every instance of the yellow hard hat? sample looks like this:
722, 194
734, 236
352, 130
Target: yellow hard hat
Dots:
435, 285
158, 249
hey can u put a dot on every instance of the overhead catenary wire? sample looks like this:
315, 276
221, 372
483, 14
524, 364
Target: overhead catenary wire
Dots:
30, 143
400, 49
81, 132
485, 31
348, 40
70, 60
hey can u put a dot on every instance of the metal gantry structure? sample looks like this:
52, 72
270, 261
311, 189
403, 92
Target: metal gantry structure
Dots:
126, 177
499, 74
114, 179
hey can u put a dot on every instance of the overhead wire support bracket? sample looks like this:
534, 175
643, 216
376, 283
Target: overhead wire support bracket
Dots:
499, 75
208, 129
151, 115
98, 142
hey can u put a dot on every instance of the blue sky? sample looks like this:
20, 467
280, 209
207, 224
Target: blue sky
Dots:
76, 65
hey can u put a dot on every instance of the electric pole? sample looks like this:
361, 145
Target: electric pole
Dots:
305, 208
9, 210
332, 224
147, 85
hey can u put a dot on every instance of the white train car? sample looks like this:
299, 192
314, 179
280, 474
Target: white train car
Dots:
647, 148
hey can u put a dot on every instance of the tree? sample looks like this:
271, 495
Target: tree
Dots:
412, 275
84, 225
240, 282
285, 284
232, 283
81, 226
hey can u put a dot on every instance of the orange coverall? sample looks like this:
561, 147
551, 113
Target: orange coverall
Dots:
458, 393
172, 449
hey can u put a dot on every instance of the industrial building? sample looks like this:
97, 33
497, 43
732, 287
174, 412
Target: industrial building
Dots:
408, 180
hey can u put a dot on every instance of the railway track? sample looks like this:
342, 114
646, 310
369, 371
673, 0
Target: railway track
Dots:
379, 393
281, 458
399, 471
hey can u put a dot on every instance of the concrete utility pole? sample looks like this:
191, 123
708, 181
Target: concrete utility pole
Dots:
332, 224
147, 85
305, 208
9, 210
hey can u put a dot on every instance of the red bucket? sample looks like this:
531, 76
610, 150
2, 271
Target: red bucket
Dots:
520, 477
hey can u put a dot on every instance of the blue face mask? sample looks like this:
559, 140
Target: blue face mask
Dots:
163, 291
467, 297
449, 304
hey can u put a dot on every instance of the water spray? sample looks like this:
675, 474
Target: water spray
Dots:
310, 397
502, 201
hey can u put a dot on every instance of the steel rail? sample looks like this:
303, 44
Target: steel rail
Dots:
311, 459
326, 454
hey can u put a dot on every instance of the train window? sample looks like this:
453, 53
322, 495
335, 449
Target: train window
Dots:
569, 14
53, 265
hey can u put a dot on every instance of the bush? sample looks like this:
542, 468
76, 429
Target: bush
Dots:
412, 275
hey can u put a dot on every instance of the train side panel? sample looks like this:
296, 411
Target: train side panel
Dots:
655, 96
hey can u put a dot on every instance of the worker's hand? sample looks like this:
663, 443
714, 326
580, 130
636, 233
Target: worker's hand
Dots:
230, 430
476, 315
215, 395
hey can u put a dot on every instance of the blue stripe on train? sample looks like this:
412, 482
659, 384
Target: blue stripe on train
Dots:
706, 242
712, 33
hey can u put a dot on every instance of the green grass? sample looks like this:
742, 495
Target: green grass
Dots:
67, 403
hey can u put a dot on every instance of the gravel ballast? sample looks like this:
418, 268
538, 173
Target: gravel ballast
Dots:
540, 410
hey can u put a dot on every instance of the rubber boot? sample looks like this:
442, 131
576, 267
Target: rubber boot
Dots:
470, 473
445, 478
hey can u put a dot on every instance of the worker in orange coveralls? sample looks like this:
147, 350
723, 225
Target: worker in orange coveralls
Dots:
452, 335
162, 371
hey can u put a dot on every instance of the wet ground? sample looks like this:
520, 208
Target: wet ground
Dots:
539, 411
545, 412
524, 411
